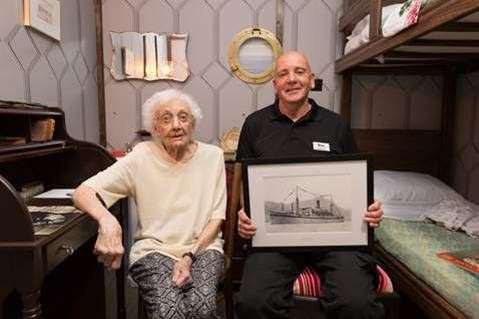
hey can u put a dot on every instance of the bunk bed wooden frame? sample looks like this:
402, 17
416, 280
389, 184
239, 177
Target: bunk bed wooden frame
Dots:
413, 150
441, 16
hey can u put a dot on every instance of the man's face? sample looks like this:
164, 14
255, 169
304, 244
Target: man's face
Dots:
174, 124
293, 78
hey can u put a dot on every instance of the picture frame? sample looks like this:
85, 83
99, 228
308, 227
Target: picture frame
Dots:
44, 16
309, 203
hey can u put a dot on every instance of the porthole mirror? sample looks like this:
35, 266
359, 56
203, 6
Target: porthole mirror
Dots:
252, 55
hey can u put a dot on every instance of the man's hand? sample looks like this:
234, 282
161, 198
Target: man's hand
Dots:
246, 227
108, 246
181, 274
374, 215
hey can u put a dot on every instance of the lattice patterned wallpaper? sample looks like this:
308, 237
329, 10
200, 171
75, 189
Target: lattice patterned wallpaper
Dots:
35, 68
309, 25
414, 102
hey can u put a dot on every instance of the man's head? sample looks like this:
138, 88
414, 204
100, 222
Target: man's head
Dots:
293, 78
171, 116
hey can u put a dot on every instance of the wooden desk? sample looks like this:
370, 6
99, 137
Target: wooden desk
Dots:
57, 270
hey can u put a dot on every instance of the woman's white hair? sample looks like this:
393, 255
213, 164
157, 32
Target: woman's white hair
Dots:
161, 98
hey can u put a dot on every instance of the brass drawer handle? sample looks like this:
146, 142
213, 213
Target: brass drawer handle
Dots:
67, 248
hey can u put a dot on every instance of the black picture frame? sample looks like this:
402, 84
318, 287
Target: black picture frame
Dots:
332, 217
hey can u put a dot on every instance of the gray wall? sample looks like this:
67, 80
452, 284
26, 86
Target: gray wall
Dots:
35, 68
414, 102
309, 25
397, 102
466, 140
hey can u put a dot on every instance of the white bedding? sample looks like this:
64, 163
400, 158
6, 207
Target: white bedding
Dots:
456, 215
395, 18
415, 196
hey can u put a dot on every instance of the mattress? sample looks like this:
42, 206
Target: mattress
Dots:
415, 244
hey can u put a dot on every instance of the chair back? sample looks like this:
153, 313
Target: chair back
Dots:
234, 195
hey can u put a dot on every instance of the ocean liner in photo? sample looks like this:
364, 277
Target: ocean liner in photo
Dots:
302, 206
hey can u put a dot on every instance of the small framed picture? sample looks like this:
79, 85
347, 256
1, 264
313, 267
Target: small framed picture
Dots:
44, 16
301, 203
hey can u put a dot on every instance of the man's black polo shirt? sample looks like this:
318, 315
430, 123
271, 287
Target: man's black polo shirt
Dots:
269, 133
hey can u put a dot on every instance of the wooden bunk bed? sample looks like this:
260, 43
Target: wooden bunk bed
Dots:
440, 16
426, 49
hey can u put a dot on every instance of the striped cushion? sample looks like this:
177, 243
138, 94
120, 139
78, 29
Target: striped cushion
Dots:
308, 283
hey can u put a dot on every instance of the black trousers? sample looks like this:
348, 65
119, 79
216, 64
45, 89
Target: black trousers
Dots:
348, 279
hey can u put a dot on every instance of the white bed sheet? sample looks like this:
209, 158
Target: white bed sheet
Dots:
416, 196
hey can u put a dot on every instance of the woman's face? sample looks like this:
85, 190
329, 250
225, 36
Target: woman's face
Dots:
174, 124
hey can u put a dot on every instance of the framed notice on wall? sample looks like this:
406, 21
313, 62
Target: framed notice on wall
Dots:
43, 15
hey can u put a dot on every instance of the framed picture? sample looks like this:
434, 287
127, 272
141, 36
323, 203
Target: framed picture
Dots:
43, 15
301, 203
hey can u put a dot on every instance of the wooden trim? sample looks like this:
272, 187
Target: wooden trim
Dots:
346, 89
408, 284
427, 56
459, 27
430, 68
99, 71
445, 42
447, 11
233, 208
447, 123
375, 12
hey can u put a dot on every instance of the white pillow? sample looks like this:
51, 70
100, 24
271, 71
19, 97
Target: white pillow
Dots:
407, 195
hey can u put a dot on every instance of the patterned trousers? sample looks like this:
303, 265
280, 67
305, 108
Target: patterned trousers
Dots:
163, 300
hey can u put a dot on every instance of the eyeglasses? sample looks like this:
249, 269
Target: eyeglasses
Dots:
167, 118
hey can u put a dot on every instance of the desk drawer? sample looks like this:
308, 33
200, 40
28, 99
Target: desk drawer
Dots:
64, 246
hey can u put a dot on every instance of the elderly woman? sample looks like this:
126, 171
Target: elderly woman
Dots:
179, 188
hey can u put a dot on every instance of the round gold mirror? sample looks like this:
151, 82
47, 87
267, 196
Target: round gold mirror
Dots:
252, 55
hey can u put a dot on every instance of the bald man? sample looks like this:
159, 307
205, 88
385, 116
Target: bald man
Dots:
291, 127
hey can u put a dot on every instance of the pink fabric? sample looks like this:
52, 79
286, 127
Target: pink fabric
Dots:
308, 283
413, 12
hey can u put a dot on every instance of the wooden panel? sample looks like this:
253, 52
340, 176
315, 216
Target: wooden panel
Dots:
346, 96
63, 247
447, 125
404, 150
459, 27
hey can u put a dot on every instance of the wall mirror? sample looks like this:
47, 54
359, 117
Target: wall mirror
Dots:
149, 56
252, 55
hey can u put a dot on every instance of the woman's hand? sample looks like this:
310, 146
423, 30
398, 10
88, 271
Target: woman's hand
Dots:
246, 227
181, 274
108, 246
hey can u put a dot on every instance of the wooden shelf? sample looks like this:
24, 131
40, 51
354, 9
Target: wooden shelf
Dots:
35, 111
16, 152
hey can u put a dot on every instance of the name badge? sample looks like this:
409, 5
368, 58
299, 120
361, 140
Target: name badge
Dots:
318, 146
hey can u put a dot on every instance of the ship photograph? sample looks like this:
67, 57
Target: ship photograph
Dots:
303, 208
318, 209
